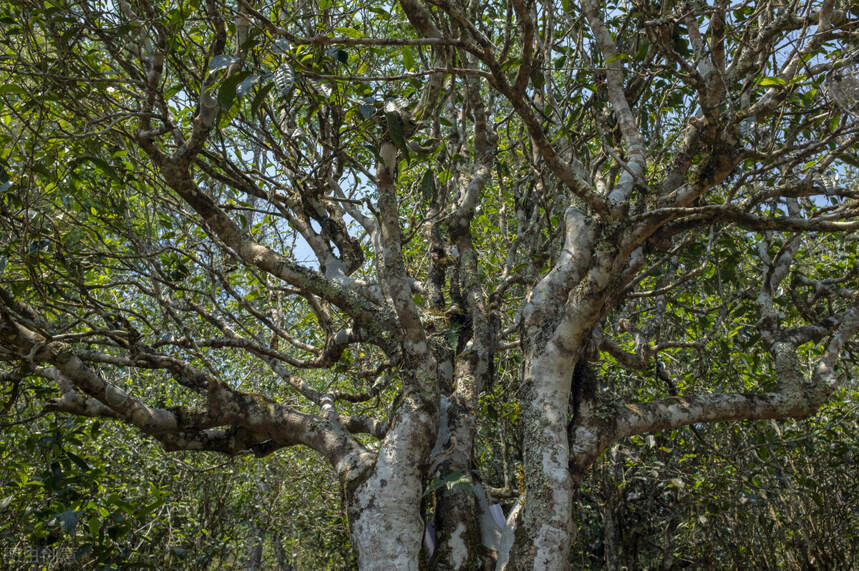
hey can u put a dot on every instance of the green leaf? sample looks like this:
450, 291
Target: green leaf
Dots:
456, 478
395, 128
339, 54
617, 57
408, 58
428, 186
10, 88
352, 32
835, 122
228, 89
78, 460
773, 81
178, 551
5, 183
259, 98
679, 42
366, 111
537, 77
281, 46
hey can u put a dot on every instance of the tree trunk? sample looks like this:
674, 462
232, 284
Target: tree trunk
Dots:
384, 519
456, 523
384, 507
556, 322
457, 514
545, 533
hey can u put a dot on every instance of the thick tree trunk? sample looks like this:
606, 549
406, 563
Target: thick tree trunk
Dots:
458, 531
545, 532
386, 527
557, 320
456, 519
383, 504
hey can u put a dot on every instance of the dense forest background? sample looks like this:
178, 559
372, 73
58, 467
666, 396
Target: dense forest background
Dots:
773, 495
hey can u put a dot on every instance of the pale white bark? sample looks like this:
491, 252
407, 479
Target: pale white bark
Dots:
554, 344
549, 486
384, 509
633, 168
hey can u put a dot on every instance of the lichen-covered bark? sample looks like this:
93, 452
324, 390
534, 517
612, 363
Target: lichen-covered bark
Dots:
552, 345
456, 517
384, 513
458, 530
384, 505
383, 502
545, 531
